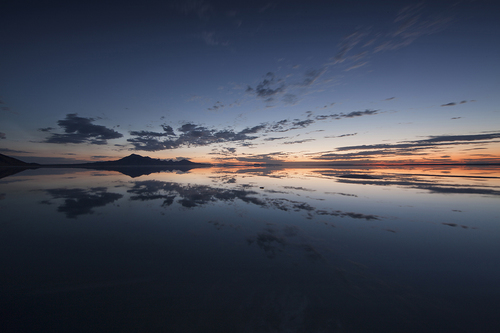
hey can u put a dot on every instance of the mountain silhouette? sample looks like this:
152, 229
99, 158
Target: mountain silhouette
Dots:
136, 165
138, 160
10, 166
133, 165
11, 161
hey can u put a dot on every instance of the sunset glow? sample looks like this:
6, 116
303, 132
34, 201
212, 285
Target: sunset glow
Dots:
268, 82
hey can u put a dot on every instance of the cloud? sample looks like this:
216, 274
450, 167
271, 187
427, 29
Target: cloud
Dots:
263, 158
210, 39
311, 76
276, 138
358, 65
412, 23
200, 7
297, 123
353, 114
269, 5
46, 129
191, 135
359, 113
81, 130
406, 148
3, 135
453, 103
268, 88
347, 44
290, 99
365, 155
218, 105
431, 141
298, 141
168, 131
340, 136
12, 151
225, 151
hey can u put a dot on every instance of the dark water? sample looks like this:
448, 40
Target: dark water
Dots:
257, 250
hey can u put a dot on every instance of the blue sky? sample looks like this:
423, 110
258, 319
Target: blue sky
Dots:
221, 81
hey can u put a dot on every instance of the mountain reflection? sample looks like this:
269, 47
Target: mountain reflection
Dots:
78, 201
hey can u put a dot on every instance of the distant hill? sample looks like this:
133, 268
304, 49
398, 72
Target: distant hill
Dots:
136, 165
133, 165
138, 160
6, 161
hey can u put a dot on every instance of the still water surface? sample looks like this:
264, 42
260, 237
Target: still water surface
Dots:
251, 250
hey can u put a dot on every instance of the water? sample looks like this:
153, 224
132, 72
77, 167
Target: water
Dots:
251, 250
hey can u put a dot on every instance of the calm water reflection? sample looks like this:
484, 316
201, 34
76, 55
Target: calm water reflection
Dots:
251, 250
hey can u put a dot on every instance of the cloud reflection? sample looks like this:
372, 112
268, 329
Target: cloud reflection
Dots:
414, 181
190, 196
78, 201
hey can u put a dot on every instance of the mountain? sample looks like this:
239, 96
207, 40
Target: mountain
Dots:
138, 160
136, 165
6, 161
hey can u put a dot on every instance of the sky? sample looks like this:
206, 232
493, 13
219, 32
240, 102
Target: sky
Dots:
338, 82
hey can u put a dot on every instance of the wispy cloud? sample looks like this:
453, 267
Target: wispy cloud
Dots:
357, 65
210, 38
13, 151
454, 103
311, 76
224, 151
298, 141
274, 139
431, 141
410, 23
340, 136
353, 114
201, 8
263, 158
347, 44
405, 148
